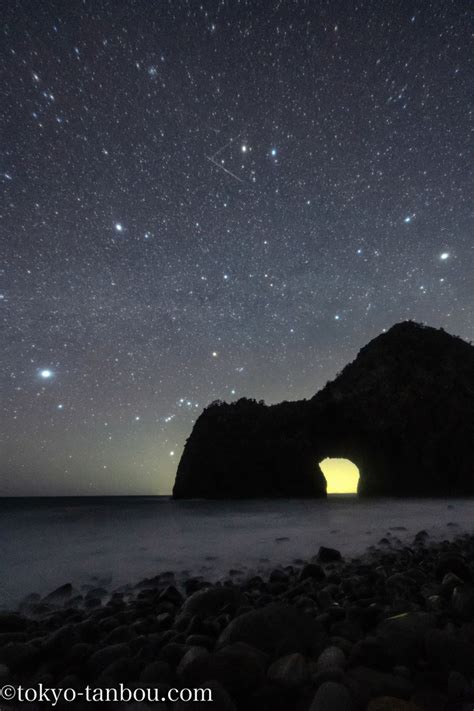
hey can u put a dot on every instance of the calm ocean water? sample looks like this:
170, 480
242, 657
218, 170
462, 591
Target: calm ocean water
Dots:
117, 540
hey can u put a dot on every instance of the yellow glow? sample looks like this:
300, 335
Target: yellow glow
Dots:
342, 475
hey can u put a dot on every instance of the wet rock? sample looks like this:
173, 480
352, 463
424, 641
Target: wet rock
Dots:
92, 602
449, 652
328, 555
312, 571
462, 601
430, 701
193, 666
99, 593
370, 652
402, 636
164, 620
173, 653
351, 631
400, 584
332, 696
10, 622
19, 656
330, 658
4, 673
200, 640
78, 653
210, 601
421, 537
62, 640
122, 670
156, 672
449, 582
122, 633
290, 671
6, 637
452, 563
238, 667
457, 686
59, 595
150, 583
171, 594
368, 683
390, 703
276, 629
192, 585
278, 576
102, 658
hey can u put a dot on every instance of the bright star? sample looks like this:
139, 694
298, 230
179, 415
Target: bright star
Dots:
46, 373
119, 227
408, 219
444, 256
244, 149
274, 151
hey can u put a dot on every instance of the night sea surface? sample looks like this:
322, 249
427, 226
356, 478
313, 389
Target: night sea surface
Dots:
112, 541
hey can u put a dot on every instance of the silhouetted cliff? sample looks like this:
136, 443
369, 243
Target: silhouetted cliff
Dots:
402, 411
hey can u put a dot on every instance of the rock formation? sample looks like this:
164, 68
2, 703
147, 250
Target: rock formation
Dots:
402, 411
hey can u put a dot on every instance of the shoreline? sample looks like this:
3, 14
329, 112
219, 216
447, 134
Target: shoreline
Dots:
396, 621
110, 543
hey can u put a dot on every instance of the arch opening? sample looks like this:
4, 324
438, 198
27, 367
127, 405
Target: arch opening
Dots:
342, 475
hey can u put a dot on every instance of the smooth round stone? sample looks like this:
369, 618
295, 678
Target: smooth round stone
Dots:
332, 696
331, 658
4, 673
290, 671
390, 703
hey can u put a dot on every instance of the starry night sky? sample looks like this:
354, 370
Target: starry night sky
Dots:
210, 200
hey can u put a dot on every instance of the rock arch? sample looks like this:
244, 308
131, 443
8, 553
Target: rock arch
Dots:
403, 412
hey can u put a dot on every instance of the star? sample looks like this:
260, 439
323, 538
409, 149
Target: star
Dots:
444, 256
119, 227
46, 374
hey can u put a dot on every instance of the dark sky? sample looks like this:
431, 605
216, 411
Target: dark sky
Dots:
205, 200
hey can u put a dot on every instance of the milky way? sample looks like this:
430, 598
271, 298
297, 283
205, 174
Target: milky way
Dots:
213, 200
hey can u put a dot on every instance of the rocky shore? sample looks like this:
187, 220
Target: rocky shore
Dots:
392, 630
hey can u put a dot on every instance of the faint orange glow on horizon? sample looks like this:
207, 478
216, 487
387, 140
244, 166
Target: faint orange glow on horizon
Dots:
342, 475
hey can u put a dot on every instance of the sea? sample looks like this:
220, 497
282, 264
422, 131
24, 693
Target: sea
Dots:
116, 541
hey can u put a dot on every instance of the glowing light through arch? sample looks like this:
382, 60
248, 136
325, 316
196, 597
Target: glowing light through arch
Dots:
342, 475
